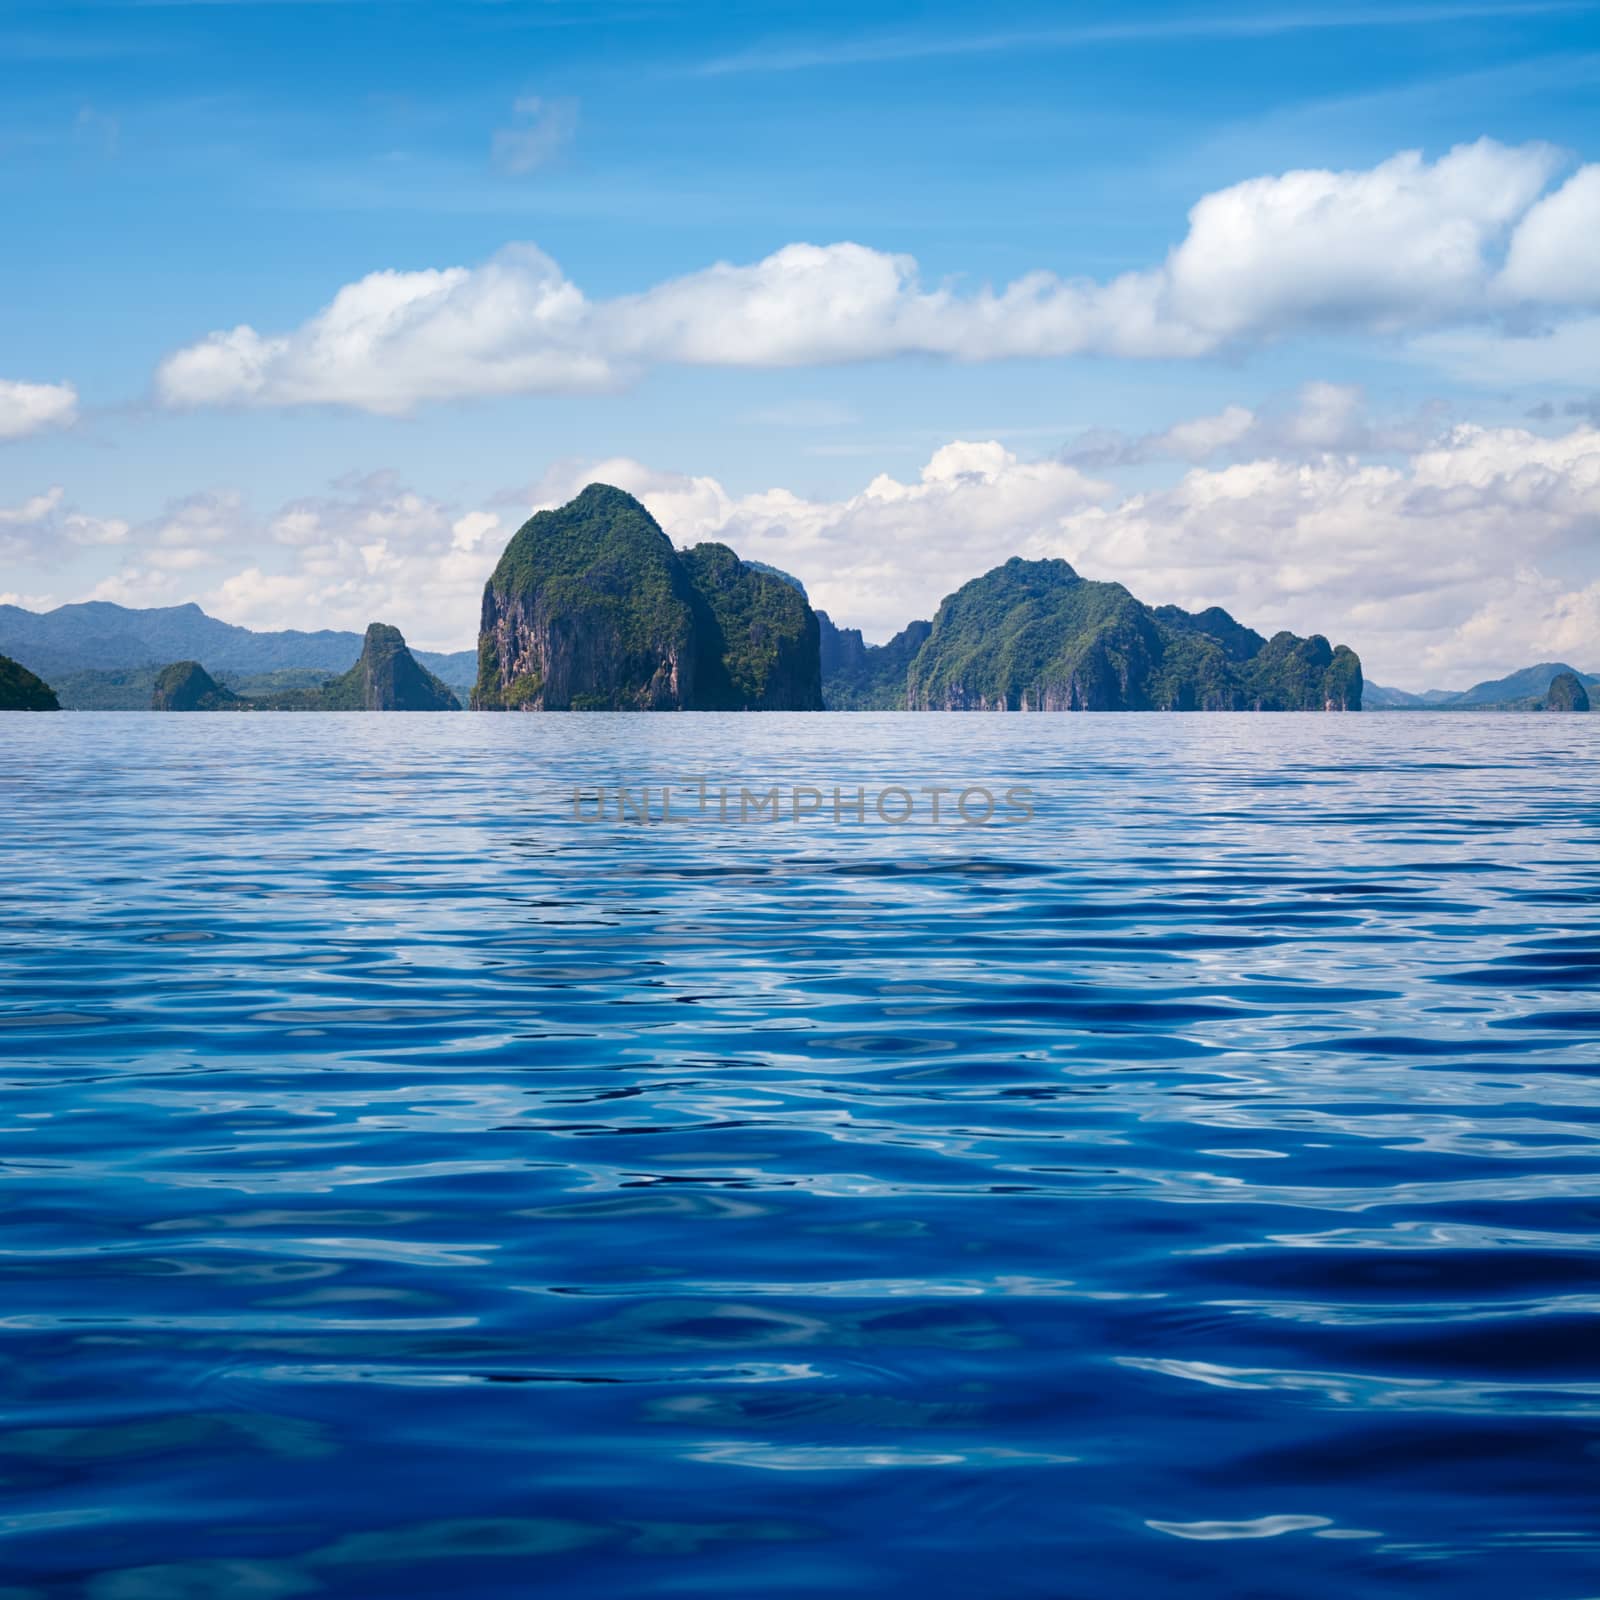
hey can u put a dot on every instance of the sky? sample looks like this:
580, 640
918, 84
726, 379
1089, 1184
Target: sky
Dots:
1291, 308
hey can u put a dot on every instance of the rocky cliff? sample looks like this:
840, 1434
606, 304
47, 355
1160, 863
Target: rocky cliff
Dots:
1566, 693
857, 676
591, 609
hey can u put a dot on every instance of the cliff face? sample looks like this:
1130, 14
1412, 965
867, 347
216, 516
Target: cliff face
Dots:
591, 609
1566, 693
187, 686
20, 690
588, 609
857, 676
387, 678
1034, 636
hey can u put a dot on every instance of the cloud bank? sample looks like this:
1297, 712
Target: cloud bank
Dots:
1405, 247
1464, 556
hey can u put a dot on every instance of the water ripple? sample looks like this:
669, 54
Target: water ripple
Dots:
409, 1189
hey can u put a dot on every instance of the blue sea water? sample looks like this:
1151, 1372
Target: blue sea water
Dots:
410, 1188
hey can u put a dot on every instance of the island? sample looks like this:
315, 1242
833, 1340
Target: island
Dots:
1566, 693
21, 690
1035, 636
592, 609
187, 686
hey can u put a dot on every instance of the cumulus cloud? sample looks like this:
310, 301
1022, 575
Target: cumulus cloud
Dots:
1402, 243
29, 407
1406, 245
395, 338
539, 131
1554, 257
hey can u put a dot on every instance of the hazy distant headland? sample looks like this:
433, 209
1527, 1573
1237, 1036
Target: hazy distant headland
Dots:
385, 678
591, 607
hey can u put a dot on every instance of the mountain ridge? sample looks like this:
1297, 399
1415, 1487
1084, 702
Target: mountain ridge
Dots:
1525, 684
101, 636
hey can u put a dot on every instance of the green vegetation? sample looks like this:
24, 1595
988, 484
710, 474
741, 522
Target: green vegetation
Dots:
1034, 636
590, 608
857, 676
130, 688
756, 637
587, 608
777, 572
187, 686
20, 690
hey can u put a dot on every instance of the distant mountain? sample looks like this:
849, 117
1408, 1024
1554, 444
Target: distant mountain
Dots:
1034, 636
97, 636
1529, 682
1377, 697
21, 690
385, 678
592, 609
1524, 690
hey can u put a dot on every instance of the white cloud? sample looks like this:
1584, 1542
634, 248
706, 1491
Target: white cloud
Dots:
395, 338
1386, 248
1394, 560
1405, 245
1554, 257
539, 131
43, 529
34, 510
28, 407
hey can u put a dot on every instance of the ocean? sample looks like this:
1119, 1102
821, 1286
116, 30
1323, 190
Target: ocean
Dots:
428, 1172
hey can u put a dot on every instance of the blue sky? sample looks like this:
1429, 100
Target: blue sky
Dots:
181, 168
